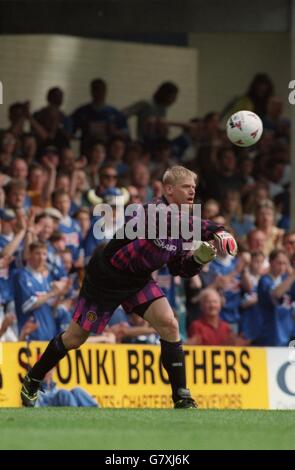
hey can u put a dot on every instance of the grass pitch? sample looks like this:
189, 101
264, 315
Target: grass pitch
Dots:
151, 429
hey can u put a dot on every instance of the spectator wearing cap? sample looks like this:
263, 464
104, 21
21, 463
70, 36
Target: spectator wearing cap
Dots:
151, 114
35, 294
98, 120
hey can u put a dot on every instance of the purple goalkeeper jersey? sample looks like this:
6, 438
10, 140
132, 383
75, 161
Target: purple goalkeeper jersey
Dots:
142, 256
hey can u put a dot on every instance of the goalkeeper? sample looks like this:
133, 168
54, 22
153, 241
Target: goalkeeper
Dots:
120, 273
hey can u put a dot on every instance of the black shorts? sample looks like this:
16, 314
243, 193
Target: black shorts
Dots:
105, 288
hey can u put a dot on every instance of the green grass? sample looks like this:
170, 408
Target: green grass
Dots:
152, 429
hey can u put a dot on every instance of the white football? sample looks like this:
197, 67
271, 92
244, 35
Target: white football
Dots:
244, 128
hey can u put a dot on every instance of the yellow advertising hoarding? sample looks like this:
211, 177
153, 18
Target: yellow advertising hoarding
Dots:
131, 376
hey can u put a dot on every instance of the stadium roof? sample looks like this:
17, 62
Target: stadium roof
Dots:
94, 18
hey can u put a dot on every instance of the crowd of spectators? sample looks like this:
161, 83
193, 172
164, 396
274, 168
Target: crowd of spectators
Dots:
48, 191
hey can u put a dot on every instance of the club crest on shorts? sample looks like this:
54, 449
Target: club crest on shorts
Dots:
91, 316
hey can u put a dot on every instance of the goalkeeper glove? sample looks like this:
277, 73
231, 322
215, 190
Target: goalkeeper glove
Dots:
204, 253
225, 243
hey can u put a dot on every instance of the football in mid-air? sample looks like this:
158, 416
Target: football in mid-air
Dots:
244, 128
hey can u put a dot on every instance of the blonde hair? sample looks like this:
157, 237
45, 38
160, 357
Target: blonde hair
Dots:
176, 173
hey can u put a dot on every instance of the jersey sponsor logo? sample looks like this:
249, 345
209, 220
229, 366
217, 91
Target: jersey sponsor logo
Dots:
91, 316
165, 246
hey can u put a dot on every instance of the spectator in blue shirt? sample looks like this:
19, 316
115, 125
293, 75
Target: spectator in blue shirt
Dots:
98, 120
102, 229
67, 226
251, 322
34, 294
186, 145
232, 211
226, 272
51, 395
150, 113
275, 302
13, 231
